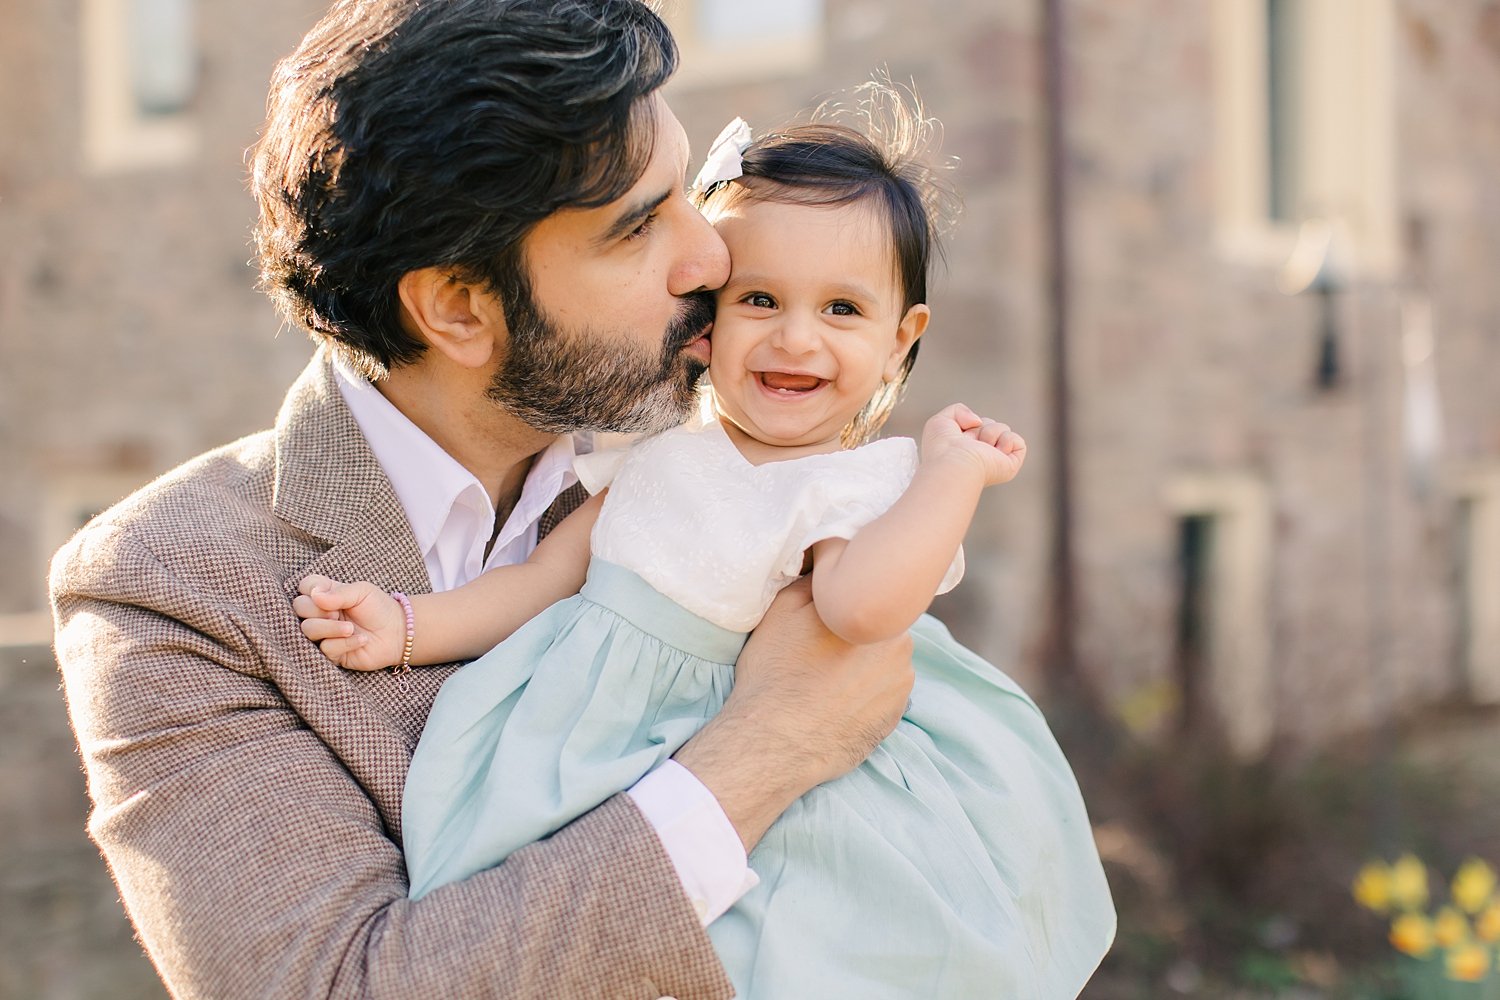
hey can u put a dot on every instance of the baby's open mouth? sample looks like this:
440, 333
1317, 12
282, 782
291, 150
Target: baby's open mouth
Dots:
789, 383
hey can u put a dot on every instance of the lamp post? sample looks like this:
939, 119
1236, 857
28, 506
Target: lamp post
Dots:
1316, 266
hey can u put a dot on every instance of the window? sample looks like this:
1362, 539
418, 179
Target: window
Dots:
736, 23
1304, 116
728, 40
1222, 647
1284, 87
1477, 562
1191, 653
140, 65
163, 71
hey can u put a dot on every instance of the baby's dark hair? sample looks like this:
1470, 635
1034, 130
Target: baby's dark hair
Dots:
877, 148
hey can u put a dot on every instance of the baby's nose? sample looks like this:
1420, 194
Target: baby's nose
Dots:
796, 334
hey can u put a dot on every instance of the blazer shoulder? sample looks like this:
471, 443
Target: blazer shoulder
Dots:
207, 490
211, 502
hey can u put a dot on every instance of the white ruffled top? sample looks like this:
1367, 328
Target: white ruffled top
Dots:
692, 517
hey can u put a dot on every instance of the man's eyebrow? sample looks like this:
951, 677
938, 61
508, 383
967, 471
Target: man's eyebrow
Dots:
632, 217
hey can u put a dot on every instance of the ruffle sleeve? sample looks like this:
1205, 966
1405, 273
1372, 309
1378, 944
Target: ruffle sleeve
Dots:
955, 572
866, 482
598, 468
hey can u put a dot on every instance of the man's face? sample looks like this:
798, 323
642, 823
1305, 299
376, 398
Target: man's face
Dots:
610, 332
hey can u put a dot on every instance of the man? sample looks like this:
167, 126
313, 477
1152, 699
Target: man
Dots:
477, 206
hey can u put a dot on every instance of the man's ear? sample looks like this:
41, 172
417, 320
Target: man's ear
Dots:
913, 325
460, 319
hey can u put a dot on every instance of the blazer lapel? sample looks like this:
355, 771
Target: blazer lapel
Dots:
329, 486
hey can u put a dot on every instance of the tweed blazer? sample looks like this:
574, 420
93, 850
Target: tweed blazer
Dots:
247, 793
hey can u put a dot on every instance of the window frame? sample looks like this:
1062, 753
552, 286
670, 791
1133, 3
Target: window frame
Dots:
119, 136
1475, 490
706, 61
1237, 685
1341, 135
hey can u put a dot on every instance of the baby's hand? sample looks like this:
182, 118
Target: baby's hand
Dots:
356, 625
957, 433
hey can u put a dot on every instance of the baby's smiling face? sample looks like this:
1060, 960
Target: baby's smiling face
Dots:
809, 325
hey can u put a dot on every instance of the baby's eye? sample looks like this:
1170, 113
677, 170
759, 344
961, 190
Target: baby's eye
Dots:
760, 300
842, 308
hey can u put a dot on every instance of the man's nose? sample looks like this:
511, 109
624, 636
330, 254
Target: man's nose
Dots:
704, 262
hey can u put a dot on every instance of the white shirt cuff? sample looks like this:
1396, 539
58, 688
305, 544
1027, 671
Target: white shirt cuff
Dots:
700, 840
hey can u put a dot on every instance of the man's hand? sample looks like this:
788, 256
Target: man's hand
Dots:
806, 707
957, 433
356, 625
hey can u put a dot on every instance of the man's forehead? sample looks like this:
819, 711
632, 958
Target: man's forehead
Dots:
664, 175
665, 171
669, 140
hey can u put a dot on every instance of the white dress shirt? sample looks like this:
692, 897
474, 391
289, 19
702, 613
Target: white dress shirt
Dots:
452, 519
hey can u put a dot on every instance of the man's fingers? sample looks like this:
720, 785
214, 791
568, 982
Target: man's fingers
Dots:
796, 594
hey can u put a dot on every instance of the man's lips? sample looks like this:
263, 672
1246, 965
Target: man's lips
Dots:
700, 346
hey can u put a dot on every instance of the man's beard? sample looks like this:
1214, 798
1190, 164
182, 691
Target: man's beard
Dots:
559, 381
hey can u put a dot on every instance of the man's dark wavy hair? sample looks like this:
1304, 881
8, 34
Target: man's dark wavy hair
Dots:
405, 134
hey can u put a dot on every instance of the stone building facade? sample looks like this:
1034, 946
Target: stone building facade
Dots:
1284, 479
1282, 497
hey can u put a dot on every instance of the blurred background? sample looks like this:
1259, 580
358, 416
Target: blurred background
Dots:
1230, 265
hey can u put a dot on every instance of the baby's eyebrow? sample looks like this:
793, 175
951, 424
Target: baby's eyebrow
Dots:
854, 292
849, 290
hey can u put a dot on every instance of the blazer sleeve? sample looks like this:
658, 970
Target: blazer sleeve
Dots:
254, 865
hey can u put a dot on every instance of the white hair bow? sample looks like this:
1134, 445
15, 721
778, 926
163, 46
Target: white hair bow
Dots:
724, 161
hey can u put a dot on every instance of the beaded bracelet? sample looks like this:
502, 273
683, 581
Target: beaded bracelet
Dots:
404, 667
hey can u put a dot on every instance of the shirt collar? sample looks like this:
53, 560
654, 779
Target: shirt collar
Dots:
551, 473
429, 482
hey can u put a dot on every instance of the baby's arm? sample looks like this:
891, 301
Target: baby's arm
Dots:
361, 627
874, 586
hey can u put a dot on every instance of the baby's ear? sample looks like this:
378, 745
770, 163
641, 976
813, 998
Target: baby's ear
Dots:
913, 325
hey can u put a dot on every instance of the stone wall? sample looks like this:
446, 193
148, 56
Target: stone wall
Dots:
131, 331
63, 933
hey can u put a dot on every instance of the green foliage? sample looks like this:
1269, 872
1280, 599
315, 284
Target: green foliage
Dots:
1266, 971
1242, 871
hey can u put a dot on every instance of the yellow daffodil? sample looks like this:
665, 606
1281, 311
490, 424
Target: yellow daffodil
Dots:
1372, 887
1412, 933
1487, 924
1468, 962
1473, 885
1409, 883
1450, 928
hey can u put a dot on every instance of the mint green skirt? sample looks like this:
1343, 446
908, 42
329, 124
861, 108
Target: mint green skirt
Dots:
957, 861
